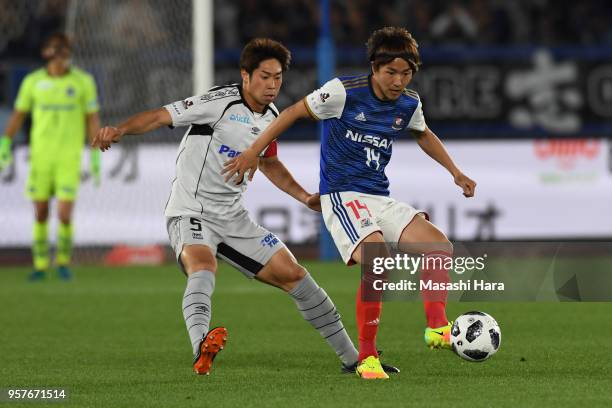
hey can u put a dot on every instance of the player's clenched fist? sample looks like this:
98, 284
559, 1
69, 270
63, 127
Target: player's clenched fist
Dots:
467, 184
313, 202
105, 137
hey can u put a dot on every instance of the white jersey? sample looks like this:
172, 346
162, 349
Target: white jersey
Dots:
221, 126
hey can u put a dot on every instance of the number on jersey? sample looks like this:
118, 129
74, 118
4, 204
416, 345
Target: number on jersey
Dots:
372, 157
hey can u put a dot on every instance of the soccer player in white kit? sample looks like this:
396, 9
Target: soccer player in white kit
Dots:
205, 215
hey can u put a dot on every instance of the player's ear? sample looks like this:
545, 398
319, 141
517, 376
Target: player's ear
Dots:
245, 76
374, 67
46, 52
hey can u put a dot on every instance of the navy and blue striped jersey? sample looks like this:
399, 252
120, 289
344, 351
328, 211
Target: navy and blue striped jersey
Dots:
358, 133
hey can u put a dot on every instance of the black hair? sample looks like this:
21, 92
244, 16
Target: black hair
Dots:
388, 43
260, 49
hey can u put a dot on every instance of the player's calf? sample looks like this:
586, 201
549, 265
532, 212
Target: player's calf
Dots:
315, 306
318, 309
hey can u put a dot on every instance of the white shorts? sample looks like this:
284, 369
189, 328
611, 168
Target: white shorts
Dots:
351, 216
238, 240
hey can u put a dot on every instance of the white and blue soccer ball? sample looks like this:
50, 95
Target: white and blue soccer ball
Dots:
475, 336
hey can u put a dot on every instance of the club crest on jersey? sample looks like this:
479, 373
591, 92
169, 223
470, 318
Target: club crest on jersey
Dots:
323, 96
224, 149
70, 91
269, 240
398, 123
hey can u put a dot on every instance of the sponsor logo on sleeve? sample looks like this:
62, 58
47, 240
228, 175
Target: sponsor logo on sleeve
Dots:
211, 96
323, 96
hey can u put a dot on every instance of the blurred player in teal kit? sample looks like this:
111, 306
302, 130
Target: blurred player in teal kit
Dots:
362, 116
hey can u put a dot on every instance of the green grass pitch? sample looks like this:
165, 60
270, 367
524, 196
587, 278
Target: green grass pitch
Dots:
115, 337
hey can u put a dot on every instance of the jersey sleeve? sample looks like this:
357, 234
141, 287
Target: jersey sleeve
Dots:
90, 95
417, 121
328, 101
202, 109
24, 100
271, 150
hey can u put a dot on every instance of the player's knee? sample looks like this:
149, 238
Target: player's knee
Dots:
196, 266
65, 218
42, 216
298, 272
41, 213
447, 246
293, 274
196, 258
442, 243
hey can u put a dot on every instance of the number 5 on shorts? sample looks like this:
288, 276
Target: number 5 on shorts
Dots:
196, 223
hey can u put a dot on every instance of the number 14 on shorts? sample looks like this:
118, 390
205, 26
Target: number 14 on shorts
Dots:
357, 207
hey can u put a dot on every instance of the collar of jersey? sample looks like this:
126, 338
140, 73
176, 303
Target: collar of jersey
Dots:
68, 72
265, 109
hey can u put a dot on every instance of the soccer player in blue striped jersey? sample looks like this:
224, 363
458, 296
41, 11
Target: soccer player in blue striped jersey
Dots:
362, 117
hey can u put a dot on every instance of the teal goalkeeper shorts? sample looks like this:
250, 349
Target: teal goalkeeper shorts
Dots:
53, 178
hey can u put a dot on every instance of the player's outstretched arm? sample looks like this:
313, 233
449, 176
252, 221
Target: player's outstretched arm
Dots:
282, 178
138, 124
431, 144
93, 127
14, 124
247, 160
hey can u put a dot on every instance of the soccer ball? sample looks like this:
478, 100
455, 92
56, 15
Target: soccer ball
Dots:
475, 336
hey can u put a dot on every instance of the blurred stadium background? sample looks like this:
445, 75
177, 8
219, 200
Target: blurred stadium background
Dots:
520, 92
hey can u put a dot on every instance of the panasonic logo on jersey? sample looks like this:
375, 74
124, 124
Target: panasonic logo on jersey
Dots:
375, 141
229, 151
